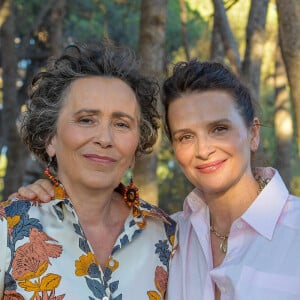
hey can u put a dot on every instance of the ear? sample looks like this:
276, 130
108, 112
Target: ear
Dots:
51, 149
255, 135
131, 166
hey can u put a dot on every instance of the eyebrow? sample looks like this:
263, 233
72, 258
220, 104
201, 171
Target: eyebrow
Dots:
117, 114
212, 123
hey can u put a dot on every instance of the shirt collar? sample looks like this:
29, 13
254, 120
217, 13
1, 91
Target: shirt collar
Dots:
272, 200
265, 211
138, 212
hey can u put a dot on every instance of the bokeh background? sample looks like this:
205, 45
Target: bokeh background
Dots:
258, 39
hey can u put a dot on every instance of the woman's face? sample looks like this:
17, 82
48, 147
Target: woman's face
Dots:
211, 141
97, 133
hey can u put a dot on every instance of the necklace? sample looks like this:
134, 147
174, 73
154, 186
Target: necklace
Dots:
261, 184
224, 237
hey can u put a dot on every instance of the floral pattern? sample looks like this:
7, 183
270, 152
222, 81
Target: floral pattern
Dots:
44, 264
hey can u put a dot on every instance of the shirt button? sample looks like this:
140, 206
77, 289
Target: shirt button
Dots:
223, 289
105, 298
239, 225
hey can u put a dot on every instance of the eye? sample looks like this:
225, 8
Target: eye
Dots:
220, 129
121, 124
86, 120
185, 138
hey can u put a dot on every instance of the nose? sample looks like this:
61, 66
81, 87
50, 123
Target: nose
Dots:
103, 136
204, 148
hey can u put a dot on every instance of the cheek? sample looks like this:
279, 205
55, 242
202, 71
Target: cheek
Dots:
128, 145
182, 155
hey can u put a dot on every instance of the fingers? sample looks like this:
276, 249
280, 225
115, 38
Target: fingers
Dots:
14, 195
41, 190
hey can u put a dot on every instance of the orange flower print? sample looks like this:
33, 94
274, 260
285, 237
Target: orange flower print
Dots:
12, 295
2, 212
33, 258
83, 264
161, 281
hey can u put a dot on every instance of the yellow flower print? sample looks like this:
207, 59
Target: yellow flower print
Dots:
13, 221
48, 283
82, 265
112, 264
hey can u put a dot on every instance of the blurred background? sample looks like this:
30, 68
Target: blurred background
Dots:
258, 39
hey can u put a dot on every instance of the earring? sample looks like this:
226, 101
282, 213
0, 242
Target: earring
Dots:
47, 172
59, 191
131, 194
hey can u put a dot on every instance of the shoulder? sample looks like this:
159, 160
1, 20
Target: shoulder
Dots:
291, 212
14, 207
151, 210
155, 215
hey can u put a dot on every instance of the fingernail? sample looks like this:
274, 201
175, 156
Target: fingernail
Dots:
46, 198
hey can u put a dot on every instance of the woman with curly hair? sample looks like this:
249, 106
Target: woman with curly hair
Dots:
90, 115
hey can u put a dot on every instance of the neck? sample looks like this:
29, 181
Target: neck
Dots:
95, 205
228, 206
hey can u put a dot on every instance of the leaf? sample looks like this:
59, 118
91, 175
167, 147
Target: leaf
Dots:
41, 269
153, 295
50, 282
30, 286
96, 287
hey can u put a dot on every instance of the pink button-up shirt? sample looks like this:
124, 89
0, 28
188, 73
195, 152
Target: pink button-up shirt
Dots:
263, 257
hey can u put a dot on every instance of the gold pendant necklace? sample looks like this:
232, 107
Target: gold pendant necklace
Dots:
224, 238
224, 244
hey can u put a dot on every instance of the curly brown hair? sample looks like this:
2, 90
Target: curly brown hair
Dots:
49, 87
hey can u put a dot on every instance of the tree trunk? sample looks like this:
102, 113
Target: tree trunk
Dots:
14, 172
255, 41
217, 51
152, 51
34, 168
56, 27
228, 39
183, 20
289, 31
283, 123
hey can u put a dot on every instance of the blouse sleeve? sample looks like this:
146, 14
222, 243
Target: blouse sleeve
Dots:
3, 252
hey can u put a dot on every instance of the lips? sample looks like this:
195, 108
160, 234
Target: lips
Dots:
210, 167
99, 159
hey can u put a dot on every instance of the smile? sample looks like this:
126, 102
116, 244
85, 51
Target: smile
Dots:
210, 167
99, 159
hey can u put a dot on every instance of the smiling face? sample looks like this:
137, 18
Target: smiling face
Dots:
211, 141
97, 133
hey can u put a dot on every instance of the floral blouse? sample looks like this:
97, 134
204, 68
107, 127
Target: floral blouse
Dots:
44, 254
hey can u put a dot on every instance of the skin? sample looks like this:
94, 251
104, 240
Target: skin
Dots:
97, 136
105, 124
95, 144
213, 146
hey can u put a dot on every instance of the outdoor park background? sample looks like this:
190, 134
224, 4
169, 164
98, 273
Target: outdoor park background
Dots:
259, 39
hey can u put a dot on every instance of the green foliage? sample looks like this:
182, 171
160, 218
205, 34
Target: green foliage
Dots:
91, 20
173, 185
195, 27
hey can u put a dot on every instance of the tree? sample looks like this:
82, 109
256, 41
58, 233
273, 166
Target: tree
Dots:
289, 30
152, 51
183, 21
255, 40
283, 122
228, 40
10, 112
